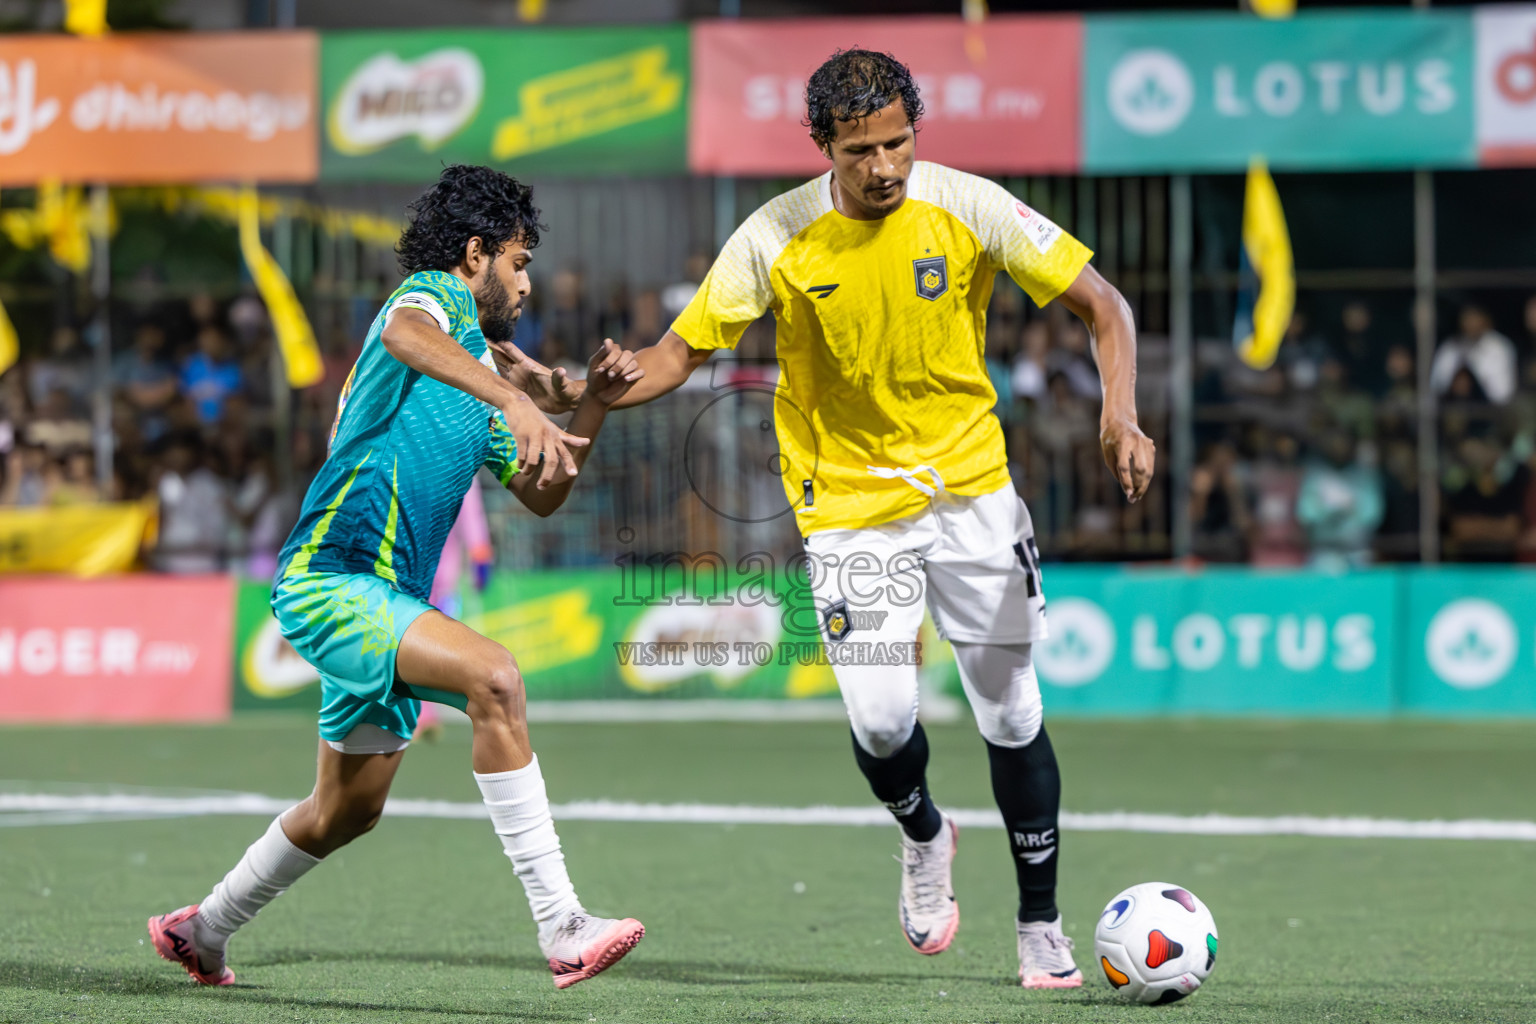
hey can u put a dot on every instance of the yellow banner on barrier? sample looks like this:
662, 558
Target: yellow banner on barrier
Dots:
81, 540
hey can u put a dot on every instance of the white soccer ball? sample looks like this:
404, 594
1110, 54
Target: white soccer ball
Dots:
1155, 943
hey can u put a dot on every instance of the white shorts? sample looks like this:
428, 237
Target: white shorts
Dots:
972, 559
367, 738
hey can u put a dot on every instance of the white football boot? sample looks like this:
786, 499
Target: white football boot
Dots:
1045, 956
929, 914
580, 946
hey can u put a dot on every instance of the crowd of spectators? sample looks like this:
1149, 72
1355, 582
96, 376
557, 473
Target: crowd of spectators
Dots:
192, 423
1315, 460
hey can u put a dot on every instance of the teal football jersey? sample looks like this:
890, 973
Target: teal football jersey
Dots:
403, 451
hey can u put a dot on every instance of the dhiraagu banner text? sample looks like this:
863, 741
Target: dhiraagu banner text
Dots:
1332, 90
538, 101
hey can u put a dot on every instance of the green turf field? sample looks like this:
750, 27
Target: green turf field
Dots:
423, 920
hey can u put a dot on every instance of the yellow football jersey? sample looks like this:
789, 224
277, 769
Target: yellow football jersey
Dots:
881, 330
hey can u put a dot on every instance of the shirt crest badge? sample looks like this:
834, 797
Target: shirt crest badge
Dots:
932, 276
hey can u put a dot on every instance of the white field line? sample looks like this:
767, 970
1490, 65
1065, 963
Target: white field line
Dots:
69, 808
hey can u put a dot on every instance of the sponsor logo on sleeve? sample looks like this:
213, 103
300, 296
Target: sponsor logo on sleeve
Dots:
1041, 232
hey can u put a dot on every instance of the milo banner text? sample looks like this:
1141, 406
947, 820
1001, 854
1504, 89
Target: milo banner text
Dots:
569, 102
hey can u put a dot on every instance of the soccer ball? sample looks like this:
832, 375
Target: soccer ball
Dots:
1155, 942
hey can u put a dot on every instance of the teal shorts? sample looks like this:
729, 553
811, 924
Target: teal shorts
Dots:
348, 626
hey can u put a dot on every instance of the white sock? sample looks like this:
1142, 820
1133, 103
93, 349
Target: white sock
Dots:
520, 814
270, 865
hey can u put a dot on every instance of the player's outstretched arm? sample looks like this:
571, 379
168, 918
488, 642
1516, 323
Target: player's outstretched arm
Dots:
1129, 453
667, 364
611, 373
414, 338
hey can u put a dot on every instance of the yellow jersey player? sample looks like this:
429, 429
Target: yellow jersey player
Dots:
878, 274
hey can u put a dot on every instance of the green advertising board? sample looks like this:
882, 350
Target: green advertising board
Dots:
1331, 90
1218, 642
638, 632
268, 674
1123, 641
539, 101
1472, 642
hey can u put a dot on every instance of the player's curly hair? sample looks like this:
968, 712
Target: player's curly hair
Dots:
467, 202
853, 84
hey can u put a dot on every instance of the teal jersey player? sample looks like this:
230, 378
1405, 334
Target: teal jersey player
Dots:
438, 392
403, 450
357, 568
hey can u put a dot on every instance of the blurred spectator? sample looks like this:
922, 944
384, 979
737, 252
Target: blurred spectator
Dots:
1398, 535
74, 480
555, 356
146, 379
59, 424
1072, 359
1340, 504
1483, 514
675, 297
1358, 348
194, 510
1302, 352
26, 481
1486, 355
998, 349
1397, 408
263, 514
1278, 538
1345, 404
66, 369
1218, 506
211, 375
1029, 369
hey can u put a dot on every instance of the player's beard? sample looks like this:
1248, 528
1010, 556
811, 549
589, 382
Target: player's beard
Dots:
498, 311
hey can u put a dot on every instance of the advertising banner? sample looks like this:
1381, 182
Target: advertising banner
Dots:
82, 540
1472, 642
1506, 85
1325, 90
158, 108
128, 649
570, 102
1000, 98
1123, 641
1218, 642
638, 632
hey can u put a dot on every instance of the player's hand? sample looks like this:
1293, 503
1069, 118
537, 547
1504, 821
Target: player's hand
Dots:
553, 391
611, 372
1129, 454
542, 447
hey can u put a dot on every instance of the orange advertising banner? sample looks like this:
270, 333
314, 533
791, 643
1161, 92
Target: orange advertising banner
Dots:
159, 108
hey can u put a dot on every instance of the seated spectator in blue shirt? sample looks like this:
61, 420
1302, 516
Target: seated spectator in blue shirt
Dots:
146, 379
211, 375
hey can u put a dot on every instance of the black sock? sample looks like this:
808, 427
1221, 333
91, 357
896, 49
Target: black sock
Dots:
1027, 786
899, 783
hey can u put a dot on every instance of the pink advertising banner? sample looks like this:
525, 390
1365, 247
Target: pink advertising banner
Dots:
121, 649
1000, 98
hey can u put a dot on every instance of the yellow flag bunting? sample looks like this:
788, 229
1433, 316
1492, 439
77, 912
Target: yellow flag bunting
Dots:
1273, 8
294, 336
1267, 294
85, 17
